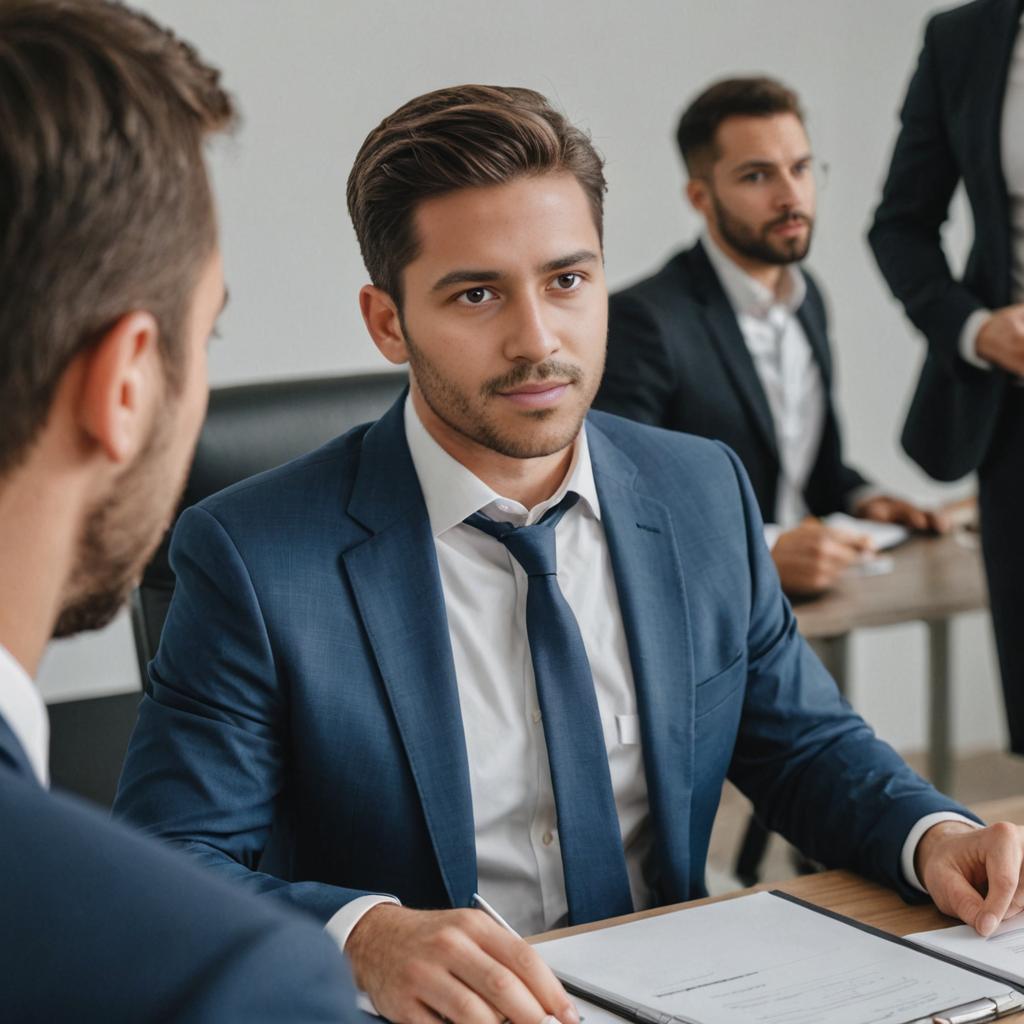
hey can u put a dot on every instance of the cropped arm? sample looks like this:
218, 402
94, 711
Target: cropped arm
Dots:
905, 235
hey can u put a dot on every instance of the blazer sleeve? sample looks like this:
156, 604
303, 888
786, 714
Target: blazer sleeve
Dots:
814, 769
905, 235
206, 767
639, 377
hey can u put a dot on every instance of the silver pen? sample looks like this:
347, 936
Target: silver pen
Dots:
625, 1008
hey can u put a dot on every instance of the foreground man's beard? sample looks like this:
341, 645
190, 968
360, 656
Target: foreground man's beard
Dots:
120, 535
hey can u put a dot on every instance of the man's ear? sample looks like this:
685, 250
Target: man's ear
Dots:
380, 314
699, 195
122, 385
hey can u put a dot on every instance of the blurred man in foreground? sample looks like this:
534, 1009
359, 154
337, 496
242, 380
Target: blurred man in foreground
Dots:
110, 283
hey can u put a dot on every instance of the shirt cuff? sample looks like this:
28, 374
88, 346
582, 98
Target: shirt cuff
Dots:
910, 846
969, 339
340, 926
772, 533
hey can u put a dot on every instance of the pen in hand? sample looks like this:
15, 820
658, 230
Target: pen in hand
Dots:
481, 904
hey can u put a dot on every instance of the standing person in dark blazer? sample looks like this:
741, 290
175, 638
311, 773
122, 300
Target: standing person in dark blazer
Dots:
963, 120
110, 283
730, 338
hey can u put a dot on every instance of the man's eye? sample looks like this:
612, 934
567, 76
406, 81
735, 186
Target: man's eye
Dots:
568, 282
755, 177
475, 296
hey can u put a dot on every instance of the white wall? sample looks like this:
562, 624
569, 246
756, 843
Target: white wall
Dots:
314, 76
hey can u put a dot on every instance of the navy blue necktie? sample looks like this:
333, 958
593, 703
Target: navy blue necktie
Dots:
596, 882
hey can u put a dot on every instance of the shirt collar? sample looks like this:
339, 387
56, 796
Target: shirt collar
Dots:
451, 492
749, 296
22, 708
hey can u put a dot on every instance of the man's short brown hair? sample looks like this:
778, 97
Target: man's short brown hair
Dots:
105, 205
732, 97
466, 136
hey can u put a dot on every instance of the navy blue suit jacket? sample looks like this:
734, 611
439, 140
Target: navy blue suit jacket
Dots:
677, 359
99, 924
304, 737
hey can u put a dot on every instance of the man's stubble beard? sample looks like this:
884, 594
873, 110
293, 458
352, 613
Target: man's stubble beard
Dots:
454, 408
120, 535
757, 245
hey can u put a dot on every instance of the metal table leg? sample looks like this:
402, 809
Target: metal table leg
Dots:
940, 761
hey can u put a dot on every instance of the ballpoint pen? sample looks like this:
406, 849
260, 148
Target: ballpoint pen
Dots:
625, 1008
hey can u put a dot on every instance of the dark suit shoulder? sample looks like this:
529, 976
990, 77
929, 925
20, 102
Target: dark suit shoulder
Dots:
964, 17
672, 283
102, 924
953, 34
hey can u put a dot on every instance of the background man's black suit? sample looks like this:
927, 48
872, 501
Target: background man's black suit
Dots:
677, 359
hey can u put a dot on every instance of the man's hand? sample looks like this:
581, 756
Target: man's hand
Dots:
1001, 339
418, 965
810, 557
883, 509
973, 873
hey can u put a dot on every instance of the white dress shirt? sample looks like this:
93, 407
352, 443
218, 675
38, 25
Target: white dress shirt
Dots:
787, 370
1012, 143
22, 708
519, 865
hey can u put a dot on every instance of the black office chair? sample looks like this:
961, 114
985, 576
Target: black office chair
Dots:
248, 429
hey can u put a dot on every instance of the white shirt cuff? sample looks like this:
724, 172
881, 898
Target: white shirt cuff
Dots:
969, 339
772, 533
910, 846
340, 926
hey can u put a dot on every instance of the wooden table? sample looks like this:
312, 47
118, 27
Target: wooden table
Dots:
933, 579
845, 893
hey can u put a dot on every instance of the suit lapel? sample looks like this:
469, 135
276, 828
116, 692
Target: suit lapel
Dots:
397, 587
990, 58
815, 334
652, 596
730, 347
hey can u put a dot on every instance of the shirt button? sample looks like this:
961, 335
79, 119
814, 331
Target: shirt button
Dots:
548, 838
536, 716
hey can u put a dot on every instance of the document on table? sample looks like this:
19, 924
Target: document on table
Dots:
1001, 953
762, 959
884, 535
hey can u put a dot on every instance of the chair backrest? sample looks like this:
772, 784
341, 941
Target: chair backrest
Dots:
248, 429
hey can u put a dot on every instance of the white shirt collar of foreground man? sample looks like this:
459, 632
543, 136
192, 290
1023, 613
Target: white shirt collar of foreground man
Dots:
451, 492
22, 708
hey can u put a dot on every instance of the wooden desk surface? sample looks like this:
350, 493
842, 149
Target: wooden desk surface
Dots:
932, 578
846, 893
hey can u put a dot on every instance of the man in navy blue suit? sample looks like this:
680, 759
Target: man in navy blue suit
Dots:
494, 642
110, 282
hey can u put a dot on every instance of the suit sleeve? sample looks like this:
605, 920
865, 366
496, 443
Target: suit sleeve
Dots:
905, 235
639, 378
813, 768
206, 767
